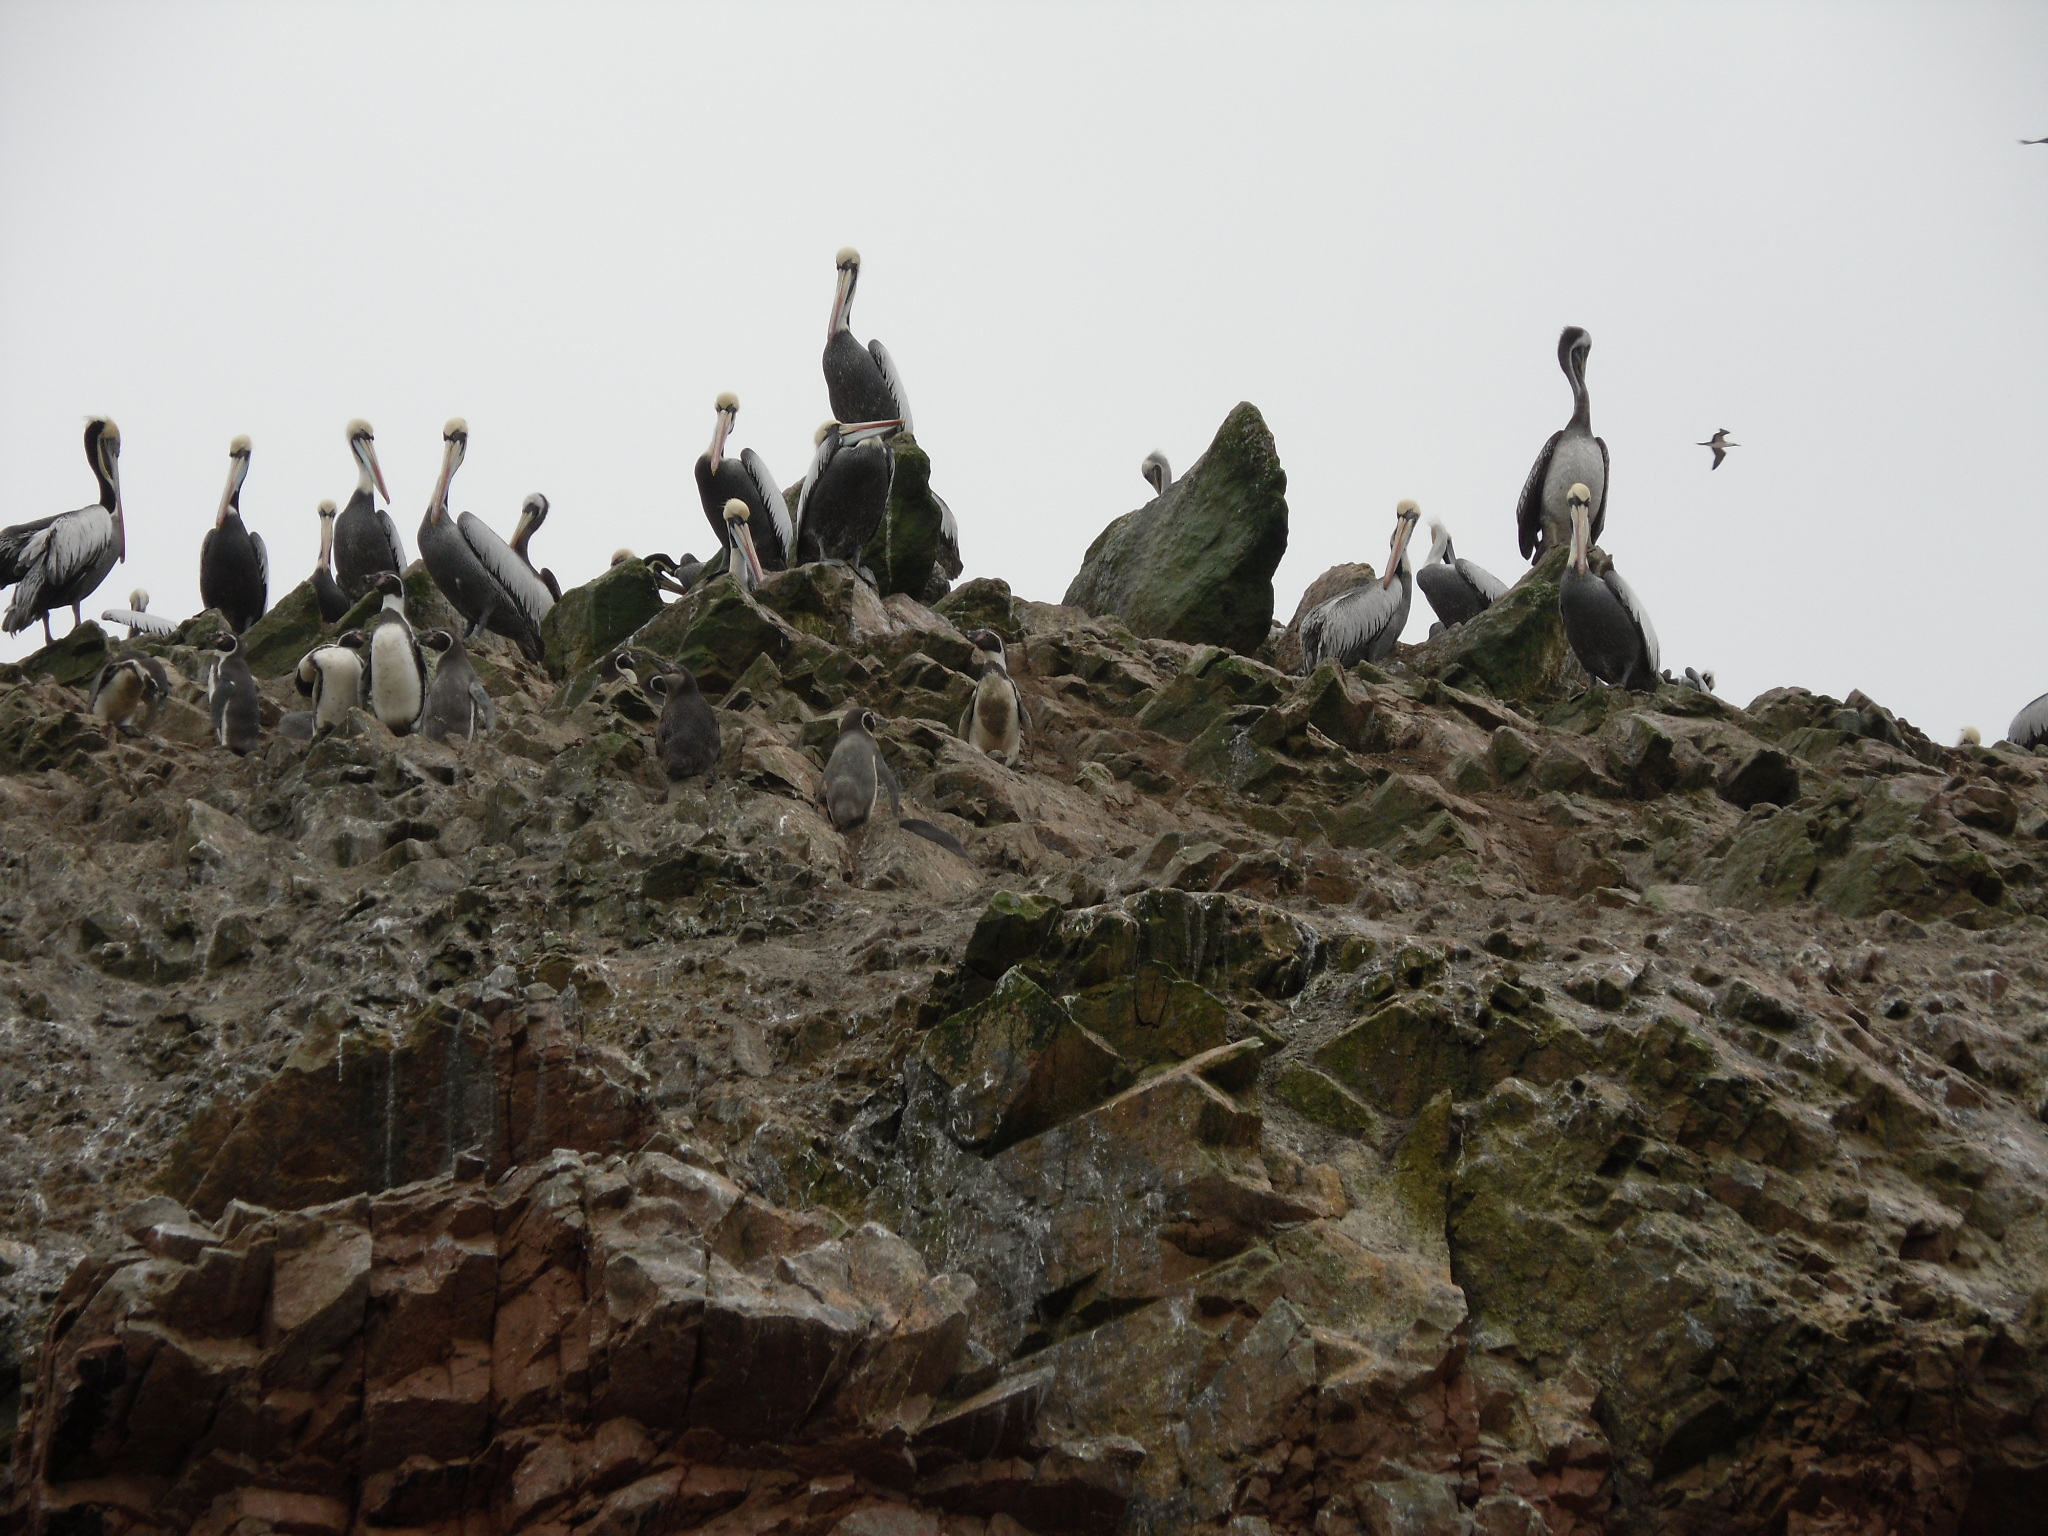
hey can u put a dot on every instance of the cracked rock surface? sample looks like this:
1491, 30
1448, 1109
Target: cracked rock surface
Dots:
1420, 1099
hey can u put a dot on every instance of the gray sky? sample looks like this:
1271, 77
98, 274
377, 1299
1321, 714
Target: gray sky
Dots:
1087, 232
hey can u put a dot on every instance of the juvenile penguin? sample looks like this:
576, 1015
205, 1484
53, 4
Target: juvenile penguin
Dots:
457, 704
128, 689
231, 695
398, 672
995, 718
332, 677
687, 739
856, 778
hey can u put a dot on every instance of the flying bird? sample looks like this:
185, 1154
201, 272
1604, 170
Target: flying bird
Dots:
1364, 623
1573, 456
861, 381
1720, 442
2034, 141
59, 561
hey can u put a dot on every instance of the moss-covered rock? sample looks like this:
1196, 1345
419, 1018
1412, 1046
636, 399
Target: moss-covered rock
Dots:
592, 618
1197, 563
716, 631
1012, 928
983, 603
74, 659
905, 548
1516, 649
292, 627
1212, 683
1324, 1100
1375, 819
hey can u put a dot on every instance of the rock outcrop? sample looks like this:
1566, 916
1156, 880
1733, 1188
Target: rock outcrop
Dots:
1418, 1098
1196, 564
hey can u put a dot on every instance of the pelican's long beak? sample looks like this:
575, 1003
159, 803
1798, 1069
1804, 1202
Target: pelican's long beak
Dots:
860, 431
1580, 538
113, 462
327, 543
842, 301
231, 495
718, 437
1404, 529
366, 451
451, 456
745, 537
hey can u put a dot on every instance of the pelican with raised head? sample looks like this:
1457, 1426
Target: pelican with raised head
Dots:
1573, 456
326, 590
1609, 629
234, 567
532, 513
862, 381
477, 571
60, 561
1365, 623
722, 478
1457, 588
397, 671
1157, 472
138, 618
846, 492
365, 539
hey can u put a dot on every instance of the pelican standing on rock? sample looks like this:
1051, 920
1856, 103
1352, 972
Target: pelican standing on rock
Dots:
232, 698
482, 578
1458, 589
458, 705
2029, 727
398, 672
234, 567
60, 561
365, 539
1609, 630
861, 381
332, 677
1365, 623
846, 492
138, 618
722, 478
1157, 472
326, 590
1573, 456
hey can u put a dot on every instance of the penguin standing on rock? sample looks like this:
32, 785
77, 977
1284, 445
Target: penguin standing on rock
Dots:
458, 706
995, 719
128, 690
687, 739
856, 778
398, 672
332, 677
232, 697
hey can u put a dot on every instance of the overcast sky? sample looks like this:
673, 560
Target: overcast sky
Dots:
1087, 232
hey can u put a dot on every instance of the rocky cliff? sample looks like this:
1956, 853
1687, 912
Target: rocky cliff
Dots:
1356, 1103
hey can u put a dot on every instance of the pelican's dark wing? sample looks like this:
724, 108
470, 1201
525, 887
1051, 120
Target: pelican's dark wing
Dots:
505, 567
1482, 579
1636, 612
2030, 726
778, 530
892, 383
949, 539
1529, 510
262, 566
820, 462
391, 538
1345, 628
14, 543
1600, 512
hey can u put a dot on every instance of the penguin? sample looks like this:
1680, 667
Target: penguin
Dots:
995, 718
687, 739
398, 672
856, 778
130, 688
332, 677
232, 697
457, 704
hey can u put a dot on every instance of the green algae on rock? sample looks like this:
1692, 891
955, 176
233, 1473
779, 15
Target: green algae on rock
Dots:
591, 619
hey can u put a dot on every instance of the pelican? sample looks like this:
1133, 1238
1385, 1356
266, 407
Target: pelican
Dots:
1364, 623
1573, 456
861, 381
397, 672
59, 561
1720, 442
747, 571
948, 557
234, 567
365, 539
2029, 727
138, 618
332, 677
483, 580
846, 492
532, 513
1157, 471
1456, 588
720, 478
1604, 620
326, 590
